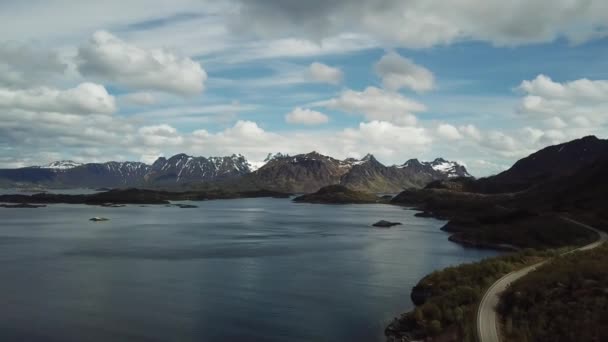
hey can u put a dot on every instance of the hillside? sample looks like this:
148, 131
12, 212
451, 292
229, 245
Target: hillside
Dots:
564, 300
338, 194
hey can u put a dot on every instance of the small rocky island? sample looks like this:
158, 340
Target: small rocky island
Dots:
386, 224
99, 219
338, 194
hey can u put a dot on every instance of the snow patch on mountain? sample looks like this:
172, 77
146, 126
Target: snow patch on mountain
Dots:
61, 165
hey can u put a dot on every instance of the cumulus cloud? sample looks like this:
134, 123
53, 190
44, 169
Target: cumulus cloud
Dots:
110, 58
399, 72
24, 65
425, 23
470, 131
85, 98
580, 102
543, 86
140, 99
392, 143
377, 104
324, 73
448, 132
306, 116
386, 138
160, 136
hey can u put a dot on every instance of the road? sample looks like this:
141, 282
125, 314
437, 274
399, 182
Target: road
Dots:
487, 317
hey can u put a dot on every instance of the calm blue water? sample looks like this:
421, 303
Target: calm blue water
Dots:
235, 270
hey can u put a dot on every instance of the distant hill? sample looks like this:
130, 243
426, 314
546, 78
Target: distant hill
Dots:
179, 169
546, 165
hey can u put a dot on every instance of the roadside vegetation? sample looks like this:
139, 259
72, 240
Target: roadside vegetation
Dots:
446, 300
564, 300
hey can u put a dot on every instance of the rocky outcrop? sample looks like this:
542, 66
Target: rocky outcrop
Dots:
338, 194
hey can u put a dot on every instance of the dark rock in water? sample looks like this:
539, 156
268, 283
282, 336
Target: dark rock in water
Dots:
386, 224
21, 206
430, 214
387, 197
99, 219
424, 214
103, 189
112, 205
186, 206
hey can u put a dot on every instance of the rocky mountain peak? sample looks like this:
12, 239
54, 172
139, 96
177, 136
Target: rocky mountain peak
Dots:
272, 156
368, 157
61, 165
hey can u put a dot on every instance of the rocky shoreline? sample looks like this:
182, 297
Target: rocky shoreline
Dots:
119, 197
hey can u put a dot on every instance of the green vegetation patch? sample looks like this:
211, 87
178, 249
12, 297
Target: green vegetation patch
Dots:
448, 298
564, 300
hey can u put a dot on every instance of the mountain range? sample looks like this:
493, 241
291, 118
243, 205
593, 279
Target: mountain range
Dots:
299, 173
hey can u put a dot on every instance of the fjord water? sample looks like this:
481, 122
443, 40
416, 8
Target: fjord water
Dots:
234, 270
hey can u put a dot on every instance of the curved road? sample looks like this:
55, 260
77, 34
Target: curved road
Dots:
487, 318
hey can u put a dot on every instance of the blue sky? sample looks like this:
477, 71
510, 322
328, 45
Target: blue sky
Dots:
399, 79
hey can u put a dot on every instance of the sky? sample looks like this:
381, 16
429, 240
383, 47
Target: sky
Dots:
482, 82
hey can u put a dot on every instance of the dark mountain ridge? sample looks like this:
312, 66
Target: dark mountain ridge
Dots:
547, 164
300, 173
307, 173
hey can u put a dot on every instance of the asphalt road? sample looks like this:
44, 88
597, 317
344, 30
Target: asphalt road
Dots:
487, 317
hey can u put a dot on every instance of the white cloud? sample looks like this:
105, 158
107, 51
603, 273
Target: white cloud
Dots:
543, 86
502, 143
160, 136
470, 131
448, 132
580, 102
324, 73
398, 72
556, 122
140, 99
112, 59
306, 116
24, 65
391, 142
377, 104
386, 137
83, 99
425, 23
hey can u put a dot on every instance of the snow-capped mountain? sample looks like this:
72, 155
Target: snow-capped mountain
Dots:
450, 169
439, 167
61, 165
182, 168
109, 174
298, 173
311, 171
